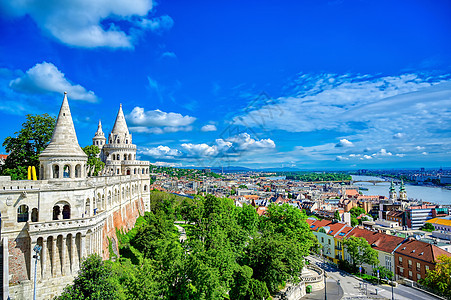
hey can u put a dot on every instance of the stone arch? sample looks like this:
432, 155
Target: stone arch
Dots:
116, 196
66, 211
118, 157
125, 156
78, 171
129, 157
66, 171
22, 213
123, 194
128, 171
34, 215
56, 171
145, 188
109, 202
134, 171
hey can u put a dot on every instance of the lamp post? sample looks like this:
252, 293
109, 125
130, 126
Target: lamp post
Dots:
36, 249
324, 266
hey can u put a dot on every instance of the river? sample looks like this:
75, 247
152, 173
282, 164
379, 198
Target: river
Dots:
426, 193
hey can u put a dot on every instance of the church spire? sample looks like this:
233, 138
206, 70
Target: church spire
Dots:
99, 131
120, 126
64, 139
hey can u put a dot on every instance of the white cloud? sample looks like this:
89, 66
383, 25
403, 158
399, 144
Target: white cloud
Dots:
344, 143
383, 152
169, 54
166, 164
161, 152
419, 148
367, 157
424, 153
88, 23
398, 135
44, 78
208, 127
157, 121
340, 158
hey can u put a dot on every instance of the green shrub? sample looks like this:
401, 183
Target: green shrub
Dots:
308, 289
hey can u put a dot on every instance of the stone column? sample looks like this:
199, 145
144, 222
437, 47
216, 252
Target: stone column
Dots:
52, 258
73, 253
72, 171
82, 246
63, 255
44, 258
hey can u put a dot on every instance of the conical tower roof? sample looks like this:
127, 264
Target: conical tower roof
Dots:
99, 132
64, 141
120, 126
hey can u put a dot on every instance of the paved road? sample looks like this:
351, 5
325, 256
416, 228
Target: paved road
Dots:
353, 289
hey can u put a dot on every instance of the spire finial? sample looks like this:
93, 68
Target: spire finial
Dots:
65, 93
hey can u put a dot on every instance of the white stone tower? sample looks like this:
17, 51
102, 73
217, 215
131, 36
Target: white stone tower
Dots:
63, 157
402, 192
99, 139
392, 193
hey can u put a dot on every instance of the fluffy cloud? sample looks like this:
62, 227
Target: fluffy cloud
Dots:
209, 127
232, 148
157, 121
44, 78
161, 152
87, 23
398, 135
344, 143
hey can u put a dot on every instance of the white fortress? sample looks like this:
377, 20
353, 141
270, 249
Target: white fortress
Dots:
66, 212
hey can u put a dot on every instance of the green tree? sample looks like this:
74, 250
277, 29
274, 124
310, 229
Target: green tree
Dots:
24, 148
242, 186
92, 151
337, 215
383, 272
356, 211
427, 227
93, 281
440, 278
360, 251
277, 254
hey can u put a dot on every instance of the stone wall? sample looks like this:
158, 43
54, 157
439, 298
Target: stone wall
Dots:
19, 259
122, 219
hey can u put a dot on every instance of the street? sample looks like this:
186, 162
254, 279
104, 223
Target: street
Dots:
357, 289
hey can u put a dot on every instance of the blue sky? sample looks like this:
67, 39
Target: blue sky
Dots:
305, 84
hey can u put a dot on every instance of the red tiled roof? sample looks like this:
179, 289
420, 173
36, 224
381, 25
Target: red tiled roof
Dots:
319, 223
3, 156
343, 232
421, 250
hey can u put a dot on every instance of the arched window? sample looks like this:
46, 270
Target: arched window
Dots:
128, 171
56, 212
77, 171
118, 141
117, 171
88, 207
134, 171
66, 171
125, 156
34, 215
129, 157
56, 171
22, 213
118, 157
114, 157
41, 172
126, 141
66, 211
145, 187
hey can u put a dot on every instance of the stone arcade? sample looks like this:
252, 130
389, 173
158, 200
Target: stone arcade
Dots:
67, 212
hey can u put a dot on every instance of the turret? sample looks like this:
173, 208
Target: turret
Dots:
63, 157
99, 139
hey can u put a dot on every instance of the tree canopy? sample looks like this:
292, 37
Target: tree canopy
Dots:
24, 148
440, 278
230, 252
92, 151
360, 251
